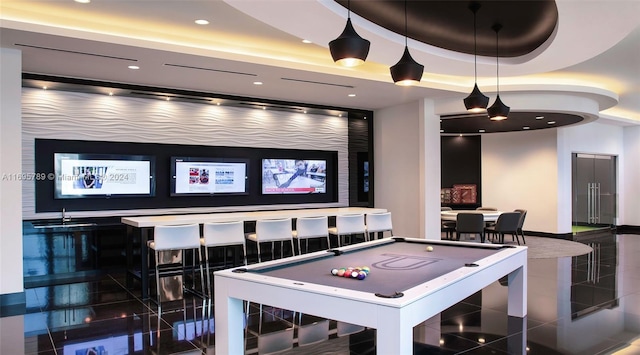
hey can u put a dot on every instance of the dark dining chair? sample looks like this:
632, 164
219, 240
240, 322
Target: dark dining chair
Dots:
507, 223
447, 227
523, 214
470, 223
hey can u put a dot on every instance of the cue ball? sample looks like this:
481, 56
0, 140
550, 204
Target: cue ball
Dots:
334, 271
429, 248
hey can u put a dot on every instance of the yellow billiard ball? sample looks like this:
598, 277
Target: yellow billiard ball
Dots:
429, 248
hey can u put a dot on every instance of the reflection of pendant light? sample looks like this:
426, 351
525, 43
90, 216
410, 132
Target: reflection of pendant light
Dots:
349, 49
407, 71
476, 101
498, 111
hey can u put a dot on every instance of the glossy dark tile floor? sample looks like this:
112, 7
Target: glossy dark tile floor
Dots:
582, 305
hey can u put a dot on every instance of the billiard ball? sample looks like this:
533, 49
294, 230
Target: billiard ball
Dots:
365, 269
340, 273
334, 271
362, 275
429, 248
354, 274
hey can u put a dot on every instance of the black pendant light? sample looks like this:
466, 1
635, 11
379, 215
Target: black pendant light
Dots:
407, 71
349, 49
498, 111
476, 101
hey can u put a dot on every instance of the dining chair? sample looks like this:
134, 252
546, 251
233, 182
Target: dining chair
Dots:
222, 234
507, 223
348, 225
378, 223
523, 215
447, 226
470, 223
310, 228
272, 230
175, 238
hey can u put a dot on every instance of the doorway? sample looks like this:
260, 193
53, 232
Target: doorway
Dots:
594, 192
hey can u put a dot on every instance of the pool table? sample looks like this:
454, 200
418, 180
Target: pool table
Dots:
406, 285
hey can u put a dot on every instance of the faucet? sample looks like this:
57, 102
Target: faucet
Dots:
64, 216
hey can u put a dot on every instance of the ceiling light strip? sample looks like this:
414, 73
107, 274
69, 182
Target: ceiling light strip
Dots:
319, 83
209, 69
75, 52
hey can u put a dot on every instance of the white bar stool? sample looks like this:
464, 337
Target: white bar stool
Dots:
272, 230
379, 223
348, 225
175, 238
221, 234
311, 227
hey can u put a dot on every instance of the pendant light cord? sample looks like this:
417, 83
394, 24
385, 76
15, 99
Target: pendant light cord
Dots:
406, 31
475, 48
497, 65
348, 9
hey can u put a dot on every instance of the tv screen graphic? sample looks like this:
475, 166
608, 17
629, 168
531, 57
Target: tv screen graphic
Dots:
208, 176
294, 176
103, 175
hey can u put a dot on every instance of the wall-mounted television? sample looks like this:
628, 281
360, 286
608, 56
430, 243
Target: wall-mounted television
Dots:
193, 176
103, 175
294, 176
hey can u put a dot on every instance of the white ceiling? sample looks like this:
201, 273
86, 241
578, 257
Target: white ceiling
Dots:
595, 50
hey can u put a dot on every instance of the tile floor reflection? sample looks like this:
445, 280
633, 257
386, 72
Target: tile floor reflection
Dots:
582, 305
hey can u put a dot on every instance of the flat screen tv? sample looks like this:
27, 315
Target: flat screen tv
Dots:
103, 175
193, 176
294, 176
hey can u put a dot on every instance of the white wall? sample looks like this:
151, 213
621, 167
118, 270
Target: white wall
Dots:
630, 206
55, 114
407, 168
11, 170
519, 170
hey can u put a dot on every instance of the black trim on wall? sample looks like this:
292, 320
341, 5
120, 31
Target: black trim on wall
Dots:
461, 163
360, 151
44, 189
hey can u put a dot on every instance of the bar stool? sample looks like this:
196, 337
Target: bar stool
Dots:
272, 230
311, 227
221, 234
348, 225
175, 238
378, 223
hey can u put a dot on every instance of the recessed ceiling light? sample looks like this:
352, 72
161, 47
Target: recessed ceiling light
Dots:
365, 117
539, 117
202, 22
264, 107
442, 131
352, 95
551, 122
83, 1
525, 127
217, 103
306, 41
481, 130
110, 93
44, 88
134, 67
168, 98
257, 83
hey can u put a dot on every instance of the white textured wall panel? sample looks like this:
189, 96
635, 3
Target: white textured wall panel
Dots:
70, 115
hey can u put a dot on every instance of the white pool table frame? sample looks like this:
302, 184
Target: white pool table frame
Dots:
393, 318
